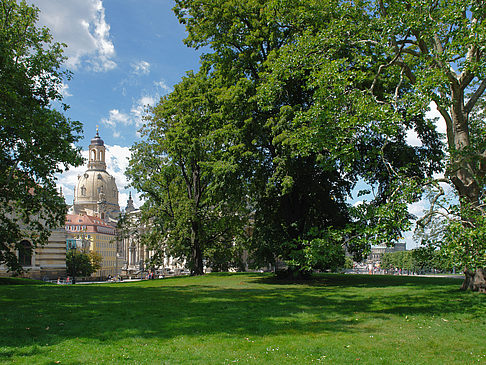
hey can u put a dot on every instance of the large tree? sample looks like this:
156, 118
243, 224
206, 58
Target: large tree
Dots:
293, 195
195, 201
375, 70
36, 141
343, 83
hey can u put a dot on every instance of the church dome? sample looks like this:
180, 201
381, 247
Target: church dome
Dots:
96, 192
97, 141
97, 186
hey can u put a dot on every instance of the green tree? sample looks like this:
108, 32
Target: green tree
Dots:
373, 71
194, 199
292, 194
36, 141
96, 261
79, 264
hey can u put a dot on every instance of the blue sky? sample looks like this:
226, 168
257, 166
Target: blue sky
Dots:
124, 55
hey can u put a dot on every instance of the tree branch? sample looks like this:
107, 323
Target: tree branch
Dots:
475, 97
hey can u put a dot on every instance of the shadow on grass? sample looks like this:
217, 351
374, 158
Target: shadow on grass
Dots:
244, 305
366, 281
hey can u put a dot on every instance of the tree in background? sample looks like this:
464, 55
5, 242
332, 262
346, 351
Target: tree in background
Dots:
195, 200
96, 260
78, 264
36, 141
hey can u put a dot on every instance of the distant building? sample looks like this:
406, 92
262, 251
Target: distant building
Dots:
96, 193
133, 254
88, 233
377, 252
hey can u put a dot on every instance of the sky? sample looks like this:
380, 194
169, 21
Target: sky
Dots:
124, 56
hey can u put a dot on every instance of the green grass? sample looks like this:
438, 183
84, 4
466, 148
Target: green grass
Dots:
245, 318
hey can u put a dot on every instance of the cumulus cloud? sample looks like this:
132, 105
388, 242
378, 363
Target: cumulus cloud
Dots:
139, 109
115, 118
80, 24
116, 158
163, 87
64, 90
141, 68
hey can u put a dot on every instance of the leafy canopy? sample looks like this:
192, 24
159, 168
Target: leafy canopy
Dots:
36, 140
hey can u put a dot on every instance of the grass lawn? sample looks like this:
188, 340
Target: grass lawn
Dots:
244, 318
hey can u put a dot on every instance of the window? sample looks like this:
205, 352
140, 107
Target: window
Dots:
25, 253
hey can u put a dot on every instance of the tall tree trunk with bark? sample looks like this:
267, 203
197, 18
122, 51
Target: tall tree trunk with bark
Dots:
197, 267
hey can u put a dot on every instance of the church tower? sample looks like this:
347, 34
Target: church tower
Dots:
97, 153
130, 207
96, 193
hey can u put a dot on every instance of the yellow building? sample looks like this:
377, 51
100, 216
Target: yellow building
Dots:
94, 234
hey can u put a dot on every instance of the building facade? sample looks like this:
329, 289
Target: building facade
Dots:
43, 263
88, 233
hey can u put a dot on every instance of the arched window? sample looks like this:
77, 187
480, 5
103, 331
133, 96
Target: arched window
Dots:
100, 155
93, 155
25, 253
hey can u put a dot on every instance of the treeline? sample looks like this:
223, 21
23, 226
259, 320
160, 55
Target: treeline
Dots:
419, 261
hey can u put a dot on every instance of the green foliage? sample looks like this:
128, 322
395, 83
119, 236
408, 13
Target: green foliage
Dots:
184, 167
96, 260
290, 192
82, 264
422, 259
465, 238
36, 141
325, 252
335, 87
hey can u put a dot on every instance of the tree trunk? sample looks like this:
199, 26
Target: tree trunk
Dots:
462, 170
475, 280
197, 267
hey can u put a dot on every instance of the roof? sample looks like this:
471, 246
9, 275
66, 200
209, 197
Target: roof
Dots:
81, 219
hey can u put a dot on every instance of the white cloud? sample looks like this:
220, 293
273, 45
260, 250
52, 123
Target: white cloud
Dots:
64, 90
162, 85
81, 24
434, 114
413, 139
139, 110
135, 117
115, 118
141, 68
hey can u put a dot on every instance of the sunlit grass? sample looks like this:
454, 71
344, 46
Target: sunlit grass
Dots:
245, 318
